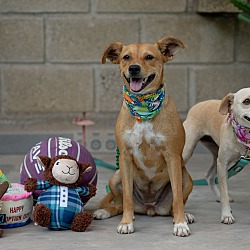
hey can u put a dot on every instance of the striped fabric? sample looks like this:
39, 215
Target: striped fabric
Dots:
53, 196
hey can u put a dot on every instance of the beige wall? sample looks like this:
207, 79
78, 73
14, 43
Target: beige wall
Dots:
50, 52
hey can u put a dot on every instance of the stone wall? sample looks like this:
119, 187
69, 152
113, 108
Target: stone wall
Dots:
50, 52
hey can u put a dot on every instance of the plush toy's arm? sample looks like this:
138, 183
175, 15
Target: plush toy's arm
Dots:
41, 185
90, 190
84, 191
32, 184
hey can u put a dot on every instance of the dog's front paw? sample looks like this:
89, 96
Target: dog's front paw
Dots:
125, 228
181, 229
227, 218
101, 214
189, 218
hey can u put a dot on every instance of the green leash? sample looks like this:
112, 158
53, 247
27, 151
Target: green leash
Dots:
243, 161
104, 164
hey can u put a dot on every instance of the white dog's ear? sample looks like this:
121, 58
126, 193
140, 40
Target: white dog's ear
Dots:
225, 106
168, 47
112, 52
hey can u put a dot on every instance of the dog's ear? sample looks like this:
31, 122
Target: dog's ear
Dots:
168, 47
225, 106
112, 52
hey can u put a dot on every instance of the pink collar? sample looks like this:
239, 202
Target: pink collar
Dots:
242, 133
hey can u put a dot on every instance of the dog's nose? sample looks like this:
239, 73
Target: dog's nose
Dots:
134, 69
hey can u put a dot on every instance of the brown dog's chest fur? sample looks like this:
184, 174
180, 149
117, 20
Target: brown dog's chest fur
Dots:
150, 172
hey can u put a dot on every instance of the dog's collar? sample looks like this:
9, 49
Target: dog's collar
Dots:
144, 107
242, 133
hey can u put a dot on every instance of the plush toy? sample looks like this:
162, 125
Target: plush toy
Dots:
52, 147
60, 206
3, 188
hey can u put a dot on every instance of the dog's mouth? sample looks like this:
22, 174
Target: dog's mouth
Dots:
138, 84
247, 118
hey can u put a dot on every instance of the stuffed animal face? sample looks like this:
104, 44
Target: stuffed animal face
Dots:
66, 171
63, 170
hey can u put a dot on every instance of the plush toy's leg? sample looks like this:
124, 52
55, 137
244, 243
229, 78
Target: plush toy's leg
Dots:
42, 215
81, 221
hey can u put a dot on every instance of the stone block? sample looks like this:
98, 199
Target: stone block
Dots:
103, 120
212, 6
176, 79
0, 93
40, 6
120, 6
244, 45
47, 89
109, 89
80, 39
46, 122
206, 39
215, 82
22, 40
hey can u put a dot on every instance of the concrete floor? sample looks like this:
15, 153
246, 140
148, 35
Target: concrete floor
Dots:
150, 232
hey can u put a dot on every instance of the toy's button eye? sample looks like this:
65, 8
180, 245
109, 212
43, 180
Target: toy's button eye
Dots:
57, 163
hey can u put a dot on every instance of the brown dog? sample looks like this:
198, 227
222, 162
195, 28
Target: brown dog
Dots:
152, 178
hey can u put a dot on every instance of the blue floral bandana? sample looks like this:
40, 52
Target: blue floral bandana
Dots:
144, 107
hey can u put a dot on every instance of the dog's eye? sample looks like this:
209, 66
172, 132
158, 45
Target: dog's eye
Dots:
126, 57
149, 57
246, 101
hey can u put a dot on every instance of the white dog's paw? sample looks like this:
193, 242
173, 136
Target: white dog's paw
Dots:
189, 218
181, 229
125, 228
101, 214
227, 219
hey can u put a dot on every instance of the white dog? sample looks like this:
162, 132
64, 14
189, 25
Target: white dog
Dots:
224, 128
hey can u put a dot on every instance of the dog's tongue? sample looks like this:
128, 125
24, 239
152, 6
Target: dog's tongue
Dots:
136, 84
